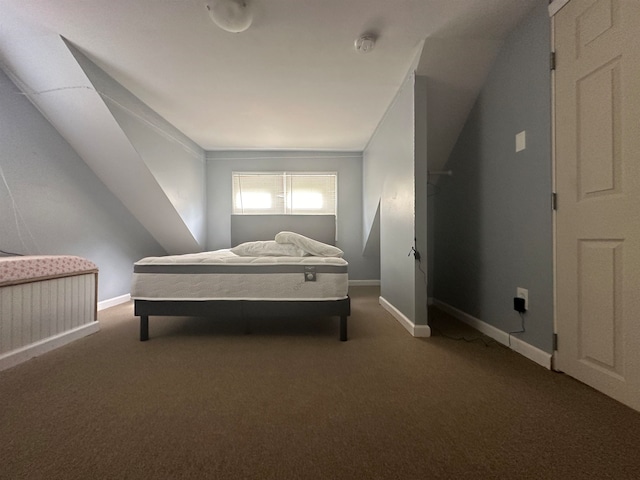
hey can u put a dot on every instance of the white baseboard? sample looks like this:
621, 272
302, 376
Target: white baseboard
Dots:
412, 328
15, 357
517, 345
112, 302
364, 283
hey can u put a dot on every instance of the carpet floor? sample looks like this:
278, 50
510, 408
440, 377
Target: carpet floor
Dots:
201, 399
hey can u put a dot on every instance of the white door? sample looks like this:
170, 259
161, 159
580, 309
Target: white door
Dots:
597, 81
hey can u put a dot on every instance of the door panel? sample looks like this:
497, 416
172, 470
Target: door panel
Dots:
598, 135
597, 123
599, 304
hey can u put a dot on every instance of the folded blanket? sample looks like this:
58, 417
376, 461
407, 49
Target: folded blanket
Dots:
267, 248
309, 245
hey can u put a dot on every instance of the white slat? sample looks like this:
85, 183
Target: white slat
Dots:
33, 312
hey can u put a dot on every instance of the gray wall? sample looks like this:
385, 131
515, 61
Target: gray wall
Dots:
176, 162
493, 219
389, 179
349, 168
60, 201
421, 267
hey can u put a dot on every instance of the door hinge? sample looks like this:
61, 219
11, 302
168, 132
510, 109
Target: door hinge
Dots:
554, 201
555, 342
552, 61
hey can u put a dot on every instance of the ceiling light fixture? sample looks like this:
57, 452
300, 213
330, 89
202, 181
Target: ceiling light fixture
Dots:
365, 43
231, 15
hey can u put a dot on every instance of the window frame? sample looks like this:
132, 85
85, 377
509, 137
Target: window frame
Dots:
286, 191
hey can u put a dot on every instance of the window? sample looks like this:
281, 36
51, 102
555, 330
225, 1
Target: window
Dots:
302, 193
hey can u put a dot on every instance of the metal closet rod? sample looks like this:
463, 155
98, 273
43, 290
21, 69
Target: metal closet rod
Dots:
441, 172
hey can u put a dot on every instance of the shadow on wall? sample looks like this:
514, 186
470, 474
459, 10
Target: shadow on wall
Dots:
457, 223
372, 244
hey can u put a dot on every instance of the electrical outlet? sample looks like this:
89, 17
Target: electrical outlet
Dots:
523, 293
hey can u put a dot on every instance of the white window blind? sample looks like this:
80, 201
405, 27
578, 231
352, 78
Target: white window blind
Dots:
285, 193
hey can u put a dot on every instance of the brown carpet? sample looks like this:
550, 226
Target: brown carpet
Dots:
203, 400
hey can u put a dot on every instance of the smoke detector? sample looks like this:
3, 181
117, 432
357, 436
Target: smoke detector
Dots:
365, 43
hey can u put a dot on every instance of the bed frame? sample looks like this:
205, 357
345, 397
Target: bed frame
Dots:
241, 231
244, 309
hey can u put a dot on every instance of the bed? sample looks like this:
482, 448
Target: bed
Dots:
255, 279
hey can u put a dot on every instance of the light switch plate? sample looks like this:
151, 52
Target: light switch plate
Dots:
521, 141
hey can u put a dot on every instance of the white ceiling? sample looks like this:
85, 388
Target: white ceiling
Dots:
291, 81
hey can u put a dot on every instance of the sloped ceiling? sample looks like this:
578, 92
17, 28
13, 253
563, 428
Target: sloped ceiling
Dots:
82, 117
293, 80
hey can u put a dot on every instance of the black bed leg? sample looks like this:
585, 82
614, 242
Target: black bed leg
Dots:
343, 328
144, 328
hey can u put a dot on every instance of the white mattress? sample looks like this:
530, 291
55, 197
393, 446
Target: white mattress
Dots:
222, 275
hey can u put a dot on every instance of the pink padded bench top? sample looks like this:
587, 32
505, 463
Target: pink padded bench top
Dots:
15, 270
